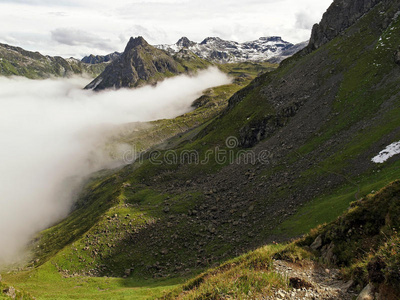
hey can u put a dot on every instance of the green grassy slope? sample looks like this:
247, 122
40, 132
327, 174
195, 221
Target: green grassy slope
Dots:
46, 283
366, 245
9, 292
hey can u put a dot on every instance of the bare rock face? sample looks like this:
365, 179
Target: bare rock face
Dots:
339, 16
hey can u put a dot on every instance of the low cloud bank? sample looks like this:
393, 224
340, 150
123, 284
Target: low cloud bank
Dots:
51, 132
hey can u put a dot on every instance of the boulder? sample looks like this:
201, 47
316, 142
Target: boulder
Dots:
367, 293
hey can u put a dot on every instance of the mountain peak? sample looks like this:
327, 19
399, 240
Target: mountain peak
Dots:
210, 39
222, 51
132, 69
184, 42
135, 42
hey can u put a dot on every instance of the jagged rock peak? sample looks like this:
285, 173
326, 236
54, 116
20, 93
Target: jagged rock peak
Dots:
135, 42
185, 42
211, 39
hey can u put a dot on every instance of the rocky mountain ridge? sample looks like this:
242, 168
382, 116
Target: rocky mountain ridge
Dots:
273, 49
96, 59
221, 51
141, 64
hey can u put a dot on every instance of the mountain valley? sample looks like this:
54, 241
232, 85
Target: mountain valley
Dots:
272, 174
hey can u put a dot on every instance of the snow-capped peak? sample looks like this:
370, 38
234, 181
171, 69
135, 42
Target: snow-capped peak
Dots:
222, 51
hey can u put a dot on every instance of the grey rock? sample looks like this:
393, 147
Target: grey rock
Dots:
327, 253
317, 243
367, 293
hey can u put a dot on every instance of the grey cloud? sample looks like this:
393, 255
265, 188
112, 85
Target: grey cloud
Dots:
76, 37
43, 2
304, 20
151, 34
58, 13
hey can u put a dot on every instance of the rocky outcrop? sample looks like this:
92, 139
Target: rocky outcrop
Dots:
367, 293
340, 15
139, 64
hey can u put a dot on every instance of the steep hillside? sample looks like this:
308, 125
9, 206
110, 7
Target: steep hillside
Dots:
142, 64
363, 241
292, 150
19, 62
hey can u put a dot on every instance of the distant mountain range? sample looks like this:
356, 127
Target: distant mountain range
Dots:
15, 61
217, 50
96, 59
221, 51
142, 63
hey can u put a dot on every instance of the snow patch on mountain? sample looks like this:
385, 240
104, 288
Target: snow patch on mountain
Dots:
388, 152
222, 51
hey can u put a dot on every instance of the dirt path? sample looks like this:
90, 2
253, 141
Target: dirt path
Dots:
311, 281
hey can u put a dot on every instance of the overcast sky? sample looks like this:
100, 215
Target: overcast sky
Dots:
77, 28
